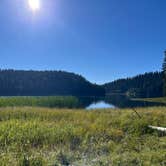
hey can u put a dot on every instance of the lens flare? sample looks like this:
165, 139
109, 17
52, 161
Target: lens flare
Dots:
34, 4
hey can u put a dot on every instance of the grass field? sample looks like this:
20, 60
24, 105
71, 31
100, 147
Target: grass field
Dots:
41, 136
50, 101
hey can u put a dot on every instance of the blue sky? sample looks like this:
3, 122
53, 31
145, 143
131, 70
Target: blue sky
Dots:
101, 39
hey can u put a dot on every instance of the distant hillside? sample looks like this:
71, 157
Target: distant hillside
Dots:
145, 85
44, 83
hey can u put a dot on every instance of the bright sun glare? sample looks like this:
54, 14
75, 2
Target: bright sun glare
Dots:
34, 4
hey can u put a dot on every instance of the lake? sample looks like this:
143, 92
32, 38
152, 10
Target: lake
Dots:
89, 103
100, 105
113, 102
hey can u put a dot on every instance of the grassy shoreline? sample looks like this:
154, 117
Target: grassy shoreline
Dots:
43, 136
161, 100
43, 101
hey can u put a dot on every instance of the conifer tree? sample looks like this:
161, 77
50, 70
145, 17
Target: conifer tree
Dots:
164, 74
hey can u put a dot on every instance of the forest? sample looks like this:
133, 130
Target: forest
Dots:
46, 83
61, 83
144, 85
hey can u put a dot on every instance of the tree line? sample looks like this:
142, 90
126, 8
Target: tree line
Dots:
144, 85
151, 84
51, 83
46, 83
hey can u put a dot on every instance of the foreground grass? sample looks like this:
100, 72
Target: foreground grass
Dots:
41, 136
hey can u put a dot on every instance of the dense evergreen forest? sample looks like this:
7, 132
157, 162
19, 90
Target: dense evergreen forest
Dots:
145, 85
50, 83
46, 83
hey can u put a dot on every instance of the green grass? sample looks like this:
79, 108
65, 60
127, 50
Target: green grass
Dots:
42, 136
50, 101
155, 100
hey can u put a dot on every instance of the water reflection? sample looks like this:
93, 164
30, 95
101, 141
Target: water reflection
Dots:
114, 101
100, 105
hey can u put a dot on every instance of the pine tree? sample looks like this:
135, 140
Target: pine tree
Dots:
164, 74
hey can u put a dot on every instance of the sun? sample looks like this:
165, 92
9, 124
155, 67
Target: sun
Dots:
34, 4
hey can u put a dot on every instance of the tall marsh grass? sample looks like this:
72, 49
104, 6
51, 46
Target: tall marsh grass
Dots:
50, 101
32, 136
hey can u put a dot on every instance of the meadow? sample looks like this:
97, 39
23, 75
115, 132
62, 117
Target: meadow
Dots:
35, 136
43, 101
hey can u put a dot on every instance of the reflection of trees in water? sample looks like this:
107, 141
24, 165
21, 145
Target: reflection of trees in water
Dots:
122, 101
87, 101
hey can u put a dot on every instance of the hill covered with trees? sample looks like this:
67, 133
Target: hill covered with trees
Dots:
46, 83
144, 85
51, 83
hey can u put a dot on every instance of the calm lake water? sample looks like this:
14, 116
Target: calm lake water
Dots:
115, 101
100, 105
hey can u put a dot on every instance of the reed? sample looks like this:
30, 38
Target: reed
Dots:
41, 136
